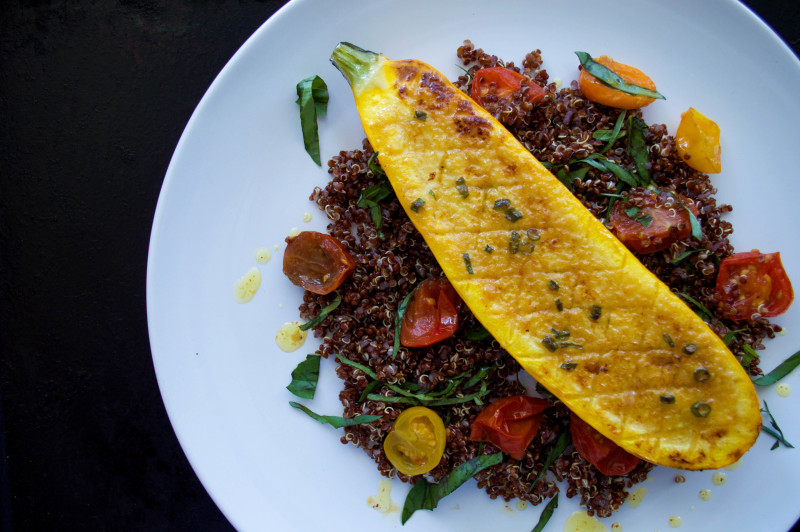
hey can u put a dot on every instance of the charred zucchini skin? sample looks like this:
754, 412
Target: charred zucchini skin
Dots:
614, 308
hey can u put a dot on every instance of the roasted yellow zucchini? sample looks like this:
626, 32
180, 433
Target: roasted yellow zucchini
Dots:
534, 266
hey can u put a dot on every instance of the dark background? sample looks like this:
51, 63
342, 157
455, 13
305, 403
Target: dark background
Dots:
93, 98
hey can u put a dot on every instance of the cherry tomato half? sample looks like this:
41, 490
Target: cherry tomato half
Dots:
697, 141
753, 282
608, 457
317, 262
599, 92
502, 83
510, 423
649, 221
431, 315
416, 442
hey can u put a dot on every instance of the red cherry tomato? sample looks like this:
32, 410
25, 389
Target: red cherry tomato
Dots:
608, 457
502, 83
753, 282
653, 222
431, 315
317, 262
510, 423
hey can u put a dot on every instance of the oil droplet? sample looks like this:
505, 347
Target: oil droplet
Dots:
306, 217
246, 287
675, 521
636, 496
508, 509
263, 255
719, 478
734, 466
580, 521
382, 501
783, 389
705, 495
276, 247
616, 527
522, 505
290, 337
293, 232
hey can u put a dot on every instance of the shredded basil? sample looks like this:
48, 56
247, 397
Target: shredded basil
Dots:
779, 372
372, 195
615, 134
305, 377
635, 214
547, 513
417, 204
312, 97
368, 390
419, 115
613, 80
668, 339
686, 254
426, 496
333, 305
637, 148
468, 263
562, 442
336, 421
777, 433
595, 311
513, 214
728, 338
701, 311
478, 333
375, 167
398, 322
462, 188
748, 356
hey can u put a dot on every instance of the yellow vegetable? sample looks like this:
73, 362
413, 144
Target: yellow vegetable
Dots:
415, 444
697, 140
648, 373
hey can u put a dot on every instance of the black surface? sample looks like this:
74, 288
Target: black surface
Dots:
93, 98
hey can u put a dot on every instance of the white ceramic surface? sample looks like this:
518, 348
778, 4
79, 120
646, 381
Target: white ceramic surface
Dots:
240, 179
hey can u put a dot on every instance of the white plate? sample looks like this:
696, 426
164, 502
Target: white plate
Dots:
240, 179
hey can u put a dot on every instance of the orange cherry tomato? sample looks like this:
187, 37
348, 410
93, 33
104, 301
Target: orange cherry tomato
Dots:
510, 423
608, 457
753, 282
697, 140
431, 315
599, 92
317, 262
415, 444
502, 83
654, 225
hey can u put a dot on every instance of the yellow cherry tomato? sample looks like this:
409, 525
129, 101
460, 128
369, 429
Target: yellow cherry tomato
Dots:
697, 140
599, 92
416, 442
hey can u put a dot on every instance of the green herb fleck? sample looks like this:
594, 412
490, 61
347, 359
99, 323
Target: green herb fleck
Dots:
638, 149
559, 305
432, 193
305, 377
419, 115
336, 422
569, 366
333, 305
501, 204
417, 204
312, 97
701, 375
780, 372
398, 322
552, 285
701, 409
468, 263
748, 356
549, 343
636, 214
462, 188
595, 312
668, 399
668, 339
560, 335
615, 135
488, 248
610, 78
558, 449
729, 336
375, 167
513, 214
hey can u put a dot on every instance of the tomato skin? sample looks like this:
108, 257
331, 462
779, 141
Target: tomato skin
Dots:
502, 83
753, 282
697, 142
415, 444
599, 92
316, 262
608, 457
431, 315
510, 423
669, 222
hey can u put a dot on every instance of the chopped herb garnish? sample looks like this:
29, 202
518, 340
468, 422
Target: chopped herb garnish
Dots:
668, 339
559, 305
777, 433
690, 349
312, 97
368, 390
780, 372
513, 214
375, 167
488, 248
558, 449
729, 336
552, 285
336, 421
549, 343
560, 335
701, 409
638, 149
426, 496
701, 375
462, 188
432, 193
513, 242
668, 399
333, 305
501, 204
398, 322
748, 356
417, 204
372, 195
701, 311
610, 78
615, 134
526, 245
569, 366
547, 513
697, 231
468, 263
595, 312
419, 115
305, 377
636, 214
683, 256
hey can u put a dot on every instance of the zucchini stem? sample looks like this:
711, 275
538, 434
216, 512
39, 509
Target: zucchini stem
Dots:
355, 63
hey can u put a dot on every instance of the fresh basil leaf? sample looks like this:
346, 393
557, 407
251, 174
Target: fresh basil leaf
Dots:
697, 231
562, 176
375, 193
779, 372
547, 513
702, 311
561, 444
336, 421
615, 134
728, 338
748, 356
478, 333
686, 254
312, 97
375, 166
368, 390
333, 305
610, 78
635, 214
621, 173
305, 377
637, 148
426, 496
398, 322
